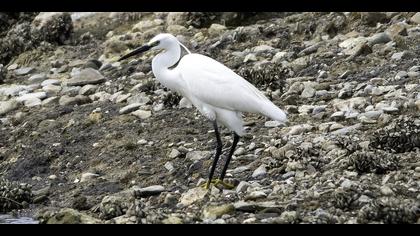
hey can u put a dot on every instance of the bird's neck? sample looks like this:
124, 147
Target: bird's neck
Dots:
161, 64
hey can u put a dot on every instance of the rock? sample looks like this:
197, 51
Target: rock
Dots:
28, 96
197, 155
214, 212
24, 71
346, 184
54, 27
88, 89
8, 106
115, 205
172, 220
184, 103
401, 74
50, 82
272, 123
37, 78
51, 89
71, 216
169, 166
174, 153
254, 195
300, 63
216, 30
379, 38
260, 172
372, 18
145, 25
335, 126
262, 48
49, 100
387, 191
250, 57
32, 102
177, 29
416, 18
142, 114
299, 129
256, 206
287, 217
86, 76
239, 151
278, 57
348, 129
130, 108
397, 29
148, 191
308, 91
87, 177
141, 99
71, 101
242, 187
192, 196
399, 55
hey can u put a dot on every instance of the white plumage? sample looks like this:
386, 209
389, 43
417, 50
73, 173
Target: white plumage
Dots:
215, 90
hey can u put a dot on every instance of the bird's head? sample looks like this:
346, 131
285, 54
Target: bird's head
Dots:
160, 41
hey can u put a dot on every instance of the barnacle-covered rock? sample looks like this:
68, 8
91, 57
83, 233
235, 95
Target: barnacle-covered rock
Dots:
402, 135
171, 99
344, 199
266, 76
389, 211
376, 161
14, 195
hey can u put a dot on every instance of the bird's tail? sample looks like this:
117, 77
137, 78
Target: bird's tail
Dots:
270, 110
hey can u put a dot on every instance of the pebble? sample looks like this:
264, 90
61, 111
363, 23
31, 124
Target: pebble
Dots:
86, 76
129, 108
24, 71
141, 114
147, 191
260, 172
272, 124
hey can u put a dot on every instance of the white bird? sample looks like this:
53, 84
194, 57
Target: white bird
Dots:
215, 90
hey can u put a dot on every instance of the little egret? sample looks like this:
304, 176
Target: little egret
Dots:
215, 90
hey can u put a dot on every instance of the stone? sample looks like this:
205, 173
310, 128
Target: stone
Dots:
239, 151
8, 106
172, 220
216, 30
142, 114
32, 102
122, 97
372, 18
262, 48
397, 29
251, 206
379, 38
174, 153
287, 217
169, 166
71, 101
387, 191
242, 187
24, 71
50, 82
254, 195
250, 57
71, 216
192, 196
272, 123
51, 89
87, 177
416, 18
399, 55
184, 103
260, 172
214, 212
37, 78
88, 89
148, 191
300, 129
28, 96
278, 57
141, 99
129, 108
86, 76
197, 155
347, 129
346, 184
308, 92
50, 100
144, 25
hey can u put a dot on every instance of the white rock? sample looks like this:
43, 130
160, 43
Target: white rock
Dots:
174, 153
28, 96
142, 114
130, 108
88, 176
260, 172
272, 123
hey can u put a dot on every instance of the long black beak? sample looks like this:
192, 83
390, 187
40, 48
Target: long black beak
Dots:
136, 51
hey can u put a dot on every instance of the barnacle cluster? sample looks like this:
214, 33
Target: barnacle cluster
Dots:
269, 75
389, 211
171, 99
400, 136
14, 195
377, 161
344, 198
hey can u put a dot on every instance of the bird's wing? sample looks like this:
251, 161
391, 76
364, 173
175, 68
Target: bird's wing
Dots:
213, 83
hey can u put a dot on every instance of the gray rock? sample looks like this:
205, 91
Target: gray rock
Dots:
174, 153
416, 18
51, 89
256, 206
346, 184
399, 55
300, 129
28, 96
12, 90
169, 166
214, 212
32, 102
193, 195
24, 71
260, 172
130, 108
37, 78
70, 101
88, 89
70, 91
239, 151
348, 129
216, 30
401, 74
372, 114
50, 100
141, 98
85, 177
197, 155
287, 217
242, 187
308, 92
379, 38
148, 191
288, 175
272, 123
8, 106
142, 114
86, 76
387, 191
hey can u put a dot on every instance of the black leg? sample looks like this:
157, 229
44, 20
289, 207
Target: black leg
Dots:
232, 149
218, 152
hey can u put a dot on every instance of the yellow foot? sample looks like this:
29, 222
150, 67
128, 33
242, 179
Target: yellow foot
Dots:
216, 182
